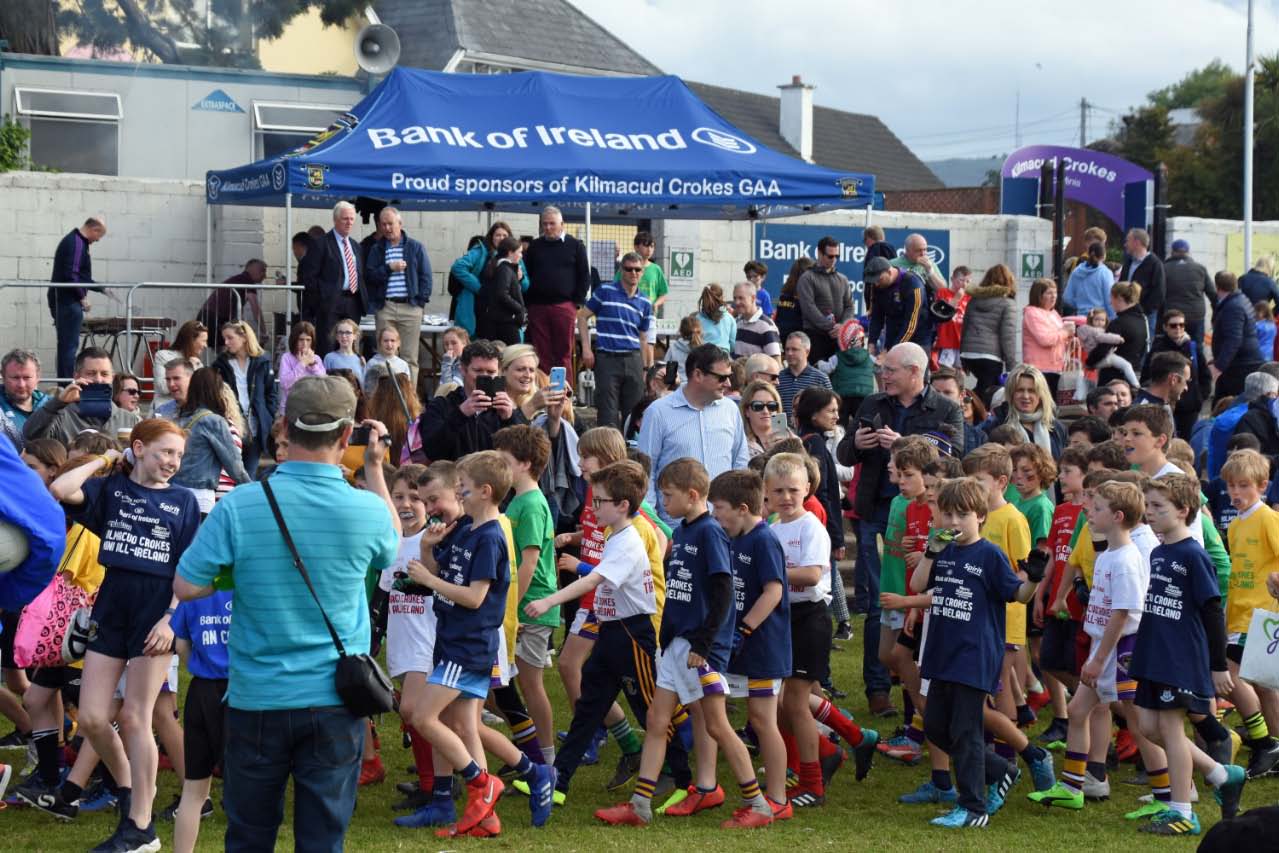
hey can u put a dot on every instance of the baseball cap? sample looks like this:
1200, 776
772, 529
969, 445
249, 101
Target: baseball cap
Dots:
320, 404
874, 268
1180, 246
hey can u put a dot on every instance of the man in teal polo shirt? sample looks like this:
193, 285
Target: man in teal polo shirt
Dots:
284, 717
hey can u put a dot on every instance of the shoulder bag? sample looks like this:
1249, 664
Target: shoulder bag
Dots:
363, 687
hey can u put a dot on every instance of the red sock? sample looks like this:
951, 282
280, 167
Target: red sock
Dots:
825, 747
810, 777
423, 760
792, 751
844, 727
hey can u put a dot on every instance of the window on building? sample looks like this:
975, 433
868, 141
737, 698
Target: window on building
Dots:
278, 127
72, 131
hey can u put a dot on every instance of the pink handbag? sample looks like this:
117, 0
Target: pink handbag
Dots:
38, 640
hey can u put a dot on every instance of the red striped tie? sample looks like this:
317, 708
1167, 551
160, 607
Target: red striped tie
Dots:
352, 276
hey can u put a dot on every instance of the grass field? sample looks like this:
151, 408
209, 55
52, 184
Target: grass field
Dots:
857, 816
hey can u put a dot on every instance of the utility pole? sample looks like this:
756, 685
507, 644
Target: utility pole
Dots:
1083, 122
1249, 79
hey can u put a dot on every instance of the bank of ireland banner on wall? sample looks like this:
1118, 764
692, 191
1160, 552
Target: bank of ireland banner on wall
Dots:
779, 246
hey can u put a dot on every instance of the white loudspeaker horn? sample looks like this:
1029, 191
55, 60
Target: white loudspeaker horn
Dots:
377, 48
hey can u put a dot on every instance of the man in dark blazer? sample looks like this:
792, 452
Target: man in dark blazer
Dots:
332, 274
1143, 267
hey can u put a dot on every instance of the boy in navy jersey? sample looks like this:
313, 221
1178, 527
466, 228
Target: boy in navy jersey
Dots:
467, 566
696, 638
972, 581
1180, 657
761, 653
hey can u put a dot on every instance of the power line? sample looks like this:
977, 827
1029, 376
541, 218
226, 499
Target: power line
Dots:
970, 131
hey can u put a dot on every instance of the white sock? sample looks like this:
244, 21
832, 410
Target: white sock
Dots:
1182, 809
548, 754
1217, 776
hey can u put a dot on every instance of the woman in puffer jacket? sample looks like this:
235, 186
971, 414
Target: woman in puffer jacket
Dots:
989, 344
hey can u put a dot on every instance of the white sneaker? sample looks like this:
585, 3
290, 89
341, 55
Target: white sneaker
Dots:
1149, 798
1096, 789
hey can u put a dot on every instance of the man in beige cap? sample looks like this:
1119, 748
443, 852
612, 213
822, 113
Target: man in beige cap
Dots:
281, 657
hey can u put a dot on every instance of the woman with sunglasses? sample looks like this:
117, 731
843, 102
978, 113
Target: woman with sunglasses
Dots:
125, 392
1174, 336
190, 343
760, 403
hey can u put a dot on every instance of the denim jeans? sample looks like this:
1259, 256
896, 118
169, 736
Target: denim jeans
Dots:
68, 317
874, 674
319, 747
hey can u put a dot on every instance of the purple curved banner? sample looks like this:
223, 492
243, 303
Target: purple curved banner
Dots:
1093, 178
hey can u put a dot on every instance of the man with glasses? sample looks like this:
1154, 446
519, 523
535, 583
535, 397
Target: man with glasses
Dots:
824, 300
652, 285
762, 368
1188, 284
65, 416
696, 421
623, 318
1177, 336
464, 420
559, 277
906, 406
798, 374
21, 397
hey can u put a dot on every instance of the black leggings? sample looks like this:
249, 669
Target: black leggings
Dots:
987, 373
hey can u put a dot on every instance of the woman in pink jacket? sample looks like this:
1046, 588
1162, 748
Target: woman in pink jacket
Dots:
1043, 333
300, 360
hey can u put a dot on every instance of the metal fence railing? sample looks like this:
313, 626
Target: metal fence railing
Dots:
130, 331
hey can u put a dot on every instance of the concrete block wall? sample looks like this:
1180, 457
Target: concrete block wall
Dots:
1207, 238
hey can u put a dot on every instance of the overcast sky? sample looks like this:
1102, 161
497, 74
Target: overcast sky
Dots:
942, 79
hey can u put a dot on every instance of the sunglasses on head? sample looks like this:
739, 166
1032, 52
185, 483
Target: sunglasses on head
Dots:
771, 405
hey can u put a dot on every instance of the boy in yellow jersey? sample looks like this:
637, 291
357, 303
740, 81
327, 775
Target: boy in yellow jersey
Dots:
1254, 553
1009, 531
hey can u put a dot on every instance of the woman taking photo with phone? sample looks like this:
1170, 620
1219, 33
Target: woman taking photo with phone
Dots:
762, 416
145, 525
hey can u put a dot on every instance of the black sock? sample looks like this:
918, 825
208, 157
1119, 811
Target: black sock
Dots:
108, 781
46, 743
1031, 754
1211, 729
71, 791
1062, 722
1098, 770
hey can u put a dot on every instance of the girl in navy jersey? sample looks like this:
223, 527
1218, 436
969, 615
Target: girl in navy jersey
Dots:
145, 526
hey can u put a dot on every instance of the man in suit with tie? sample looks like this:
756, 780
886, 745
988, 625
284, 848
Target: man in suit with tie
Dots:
333, 277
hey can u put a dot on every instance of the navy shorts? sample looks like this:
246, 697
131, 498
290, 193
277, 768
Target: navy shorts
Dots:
204, 726
1154, 696
128, 606
810, 631
1058, 651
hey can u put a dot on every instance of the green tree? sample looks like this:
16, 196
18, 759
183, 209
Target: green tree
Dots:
1196, 87
177, 31
1144, 136
14, 153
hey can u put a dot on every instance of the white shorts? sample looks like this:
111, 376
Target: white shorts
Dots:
170, 684
585, 625
741, 687
1115, 684
533, 645
893, 620
410, 644
503, 668
688, 684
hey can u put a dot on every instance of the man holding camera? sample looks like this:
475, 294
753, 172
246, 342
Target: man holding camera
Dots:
84, 404
465, 420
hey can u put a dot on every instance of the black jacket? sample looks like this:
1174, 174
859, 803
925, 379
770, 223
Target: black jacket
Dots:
930, 413
71, 263
447, 434
1260, 421
1258, 287
1131, 325
558, 271
262, 392
1234, 334
1150, 275
1187, 283
322, 275
501, 300
1200, 386
828, 488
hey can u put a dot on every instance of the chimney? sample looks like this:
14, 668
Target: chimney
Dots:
796, 119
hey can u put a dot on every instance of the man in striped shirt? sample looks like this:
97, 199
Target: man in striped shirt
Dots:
398, 274
756, 332
622, 319
798, 373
